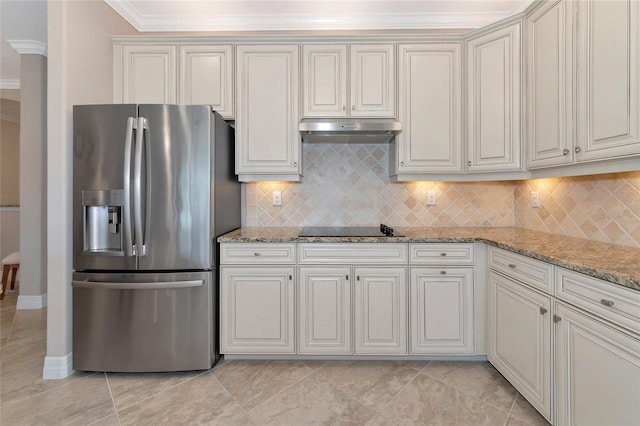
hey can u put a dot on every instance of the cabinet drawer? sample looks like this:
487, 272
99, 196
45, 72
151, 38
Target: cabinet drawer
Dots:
441, 254
610, 301
257, 254
349, 253
524, 269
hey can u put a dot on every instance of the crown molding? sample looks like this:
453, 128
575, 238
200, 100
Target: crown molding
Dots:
6, 83
300, 22
29, 47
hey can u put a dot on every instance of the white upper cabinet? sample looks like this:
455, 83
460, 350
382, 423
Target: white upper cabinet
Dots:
430, 109
206, 77
267, 138
324, 76
145, 74
370, 90
493, 116
550, 85
608, 79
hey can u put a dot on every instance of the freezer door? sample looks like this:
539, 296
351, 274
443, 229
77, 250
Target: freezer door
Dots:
102, 145
143, 322
176, 189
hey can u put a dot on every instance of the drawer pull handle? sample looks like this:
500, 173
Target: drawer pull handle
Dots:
512, 265
443, 272
443, 254
543, 310
256, 254
606, 302
556, 318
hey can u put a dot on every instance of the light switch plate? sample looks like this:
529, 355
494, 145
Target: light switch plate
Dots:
535, 199
432, 199
277, 198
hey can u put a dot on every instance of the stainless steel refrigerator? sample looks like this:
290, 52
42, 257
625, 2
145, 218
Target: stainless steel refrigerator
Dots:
153, 186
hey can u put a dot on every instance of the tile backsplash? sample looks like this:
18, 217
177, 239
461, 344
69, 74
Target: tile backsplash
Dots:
599, 207
348, 185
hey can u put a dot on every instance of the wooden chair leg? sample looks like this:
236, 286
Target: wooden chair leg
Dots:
5, 276
14, 270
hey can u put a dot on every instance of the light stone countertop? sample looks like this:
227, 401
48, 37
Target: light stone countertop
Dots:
610, 262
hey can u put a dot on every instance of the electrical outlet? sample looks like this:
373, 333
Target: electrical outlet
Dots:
535, 199
431, 198
277, 198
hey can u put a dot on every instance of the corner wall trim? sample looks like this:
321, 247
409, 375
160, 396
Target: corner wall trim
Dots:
57, 367
32, 302
29, 47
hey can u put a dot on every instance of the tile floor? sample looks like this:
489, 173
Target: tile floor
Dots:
250, 392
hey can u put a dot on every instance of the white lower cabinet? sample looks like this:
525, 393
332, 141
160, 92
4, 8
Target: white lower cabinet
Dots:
441, 311
324, 310
257, 309
519, 338
380, 310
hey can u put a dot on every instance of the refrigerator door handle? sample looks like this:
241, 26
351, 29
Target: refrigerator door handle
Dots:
137, 188
138, 286
129, 249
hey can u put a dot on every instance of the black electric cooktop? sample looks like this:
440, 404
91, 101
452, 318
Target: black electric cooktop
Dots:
349, 231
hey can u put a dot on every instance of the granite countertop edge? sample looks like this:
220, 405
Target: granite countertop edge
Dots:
595, 259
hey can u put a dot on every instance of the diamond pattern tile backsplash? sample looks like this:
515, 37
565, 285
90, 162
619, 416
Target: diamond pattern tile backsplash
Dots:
348, 185
600, 207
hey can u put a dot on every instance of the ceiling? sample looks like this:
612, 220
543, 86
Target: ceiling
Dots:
27, 20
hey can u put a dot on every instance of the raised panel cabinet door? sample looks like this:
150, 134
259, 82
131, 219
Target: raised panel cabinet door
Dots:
206, 77
597, 371
148, 74
608, 79
441, 311
430, 108
493, 85
257, 310
324, 310
267, 137
324, 77
519, 339
373, 80
380, 310
550, 85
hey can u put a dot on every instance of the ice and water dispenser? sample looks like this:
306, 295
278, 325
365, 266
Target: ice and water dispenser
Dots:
103, 210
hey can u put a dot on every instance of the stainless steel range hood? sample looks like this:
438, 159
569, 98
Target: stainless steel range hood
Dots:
349, 130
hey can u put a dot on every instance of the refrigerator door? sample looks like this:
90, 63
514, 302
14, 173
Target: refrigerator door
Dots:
103, 141
175, 188
144, 322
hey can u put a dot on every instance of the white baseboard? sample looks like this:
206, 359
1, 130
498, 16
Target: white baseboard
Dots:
57, 367
32, 302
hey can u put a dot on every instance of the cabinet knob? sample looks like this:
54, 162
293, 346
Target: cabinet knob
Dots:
606, 302
543, 310
295, 164
402, 163
512, 265
565, 152
357, 277
578, 149
469, 163
346, 277
290, 277
556, 318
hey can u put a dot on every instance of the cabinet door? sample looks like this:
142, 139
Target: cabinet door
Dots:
550, 85
267, 137
257, 310
206, 77
148, 74
324, 310
493, 119
441, 311
380, 310
324, 77
597, 372
608, 79
519, 339
373, 81
430, 109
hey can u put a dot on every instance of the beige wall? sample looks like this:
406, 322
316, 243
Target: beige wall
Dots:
80, 71
9, 230
9, 163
